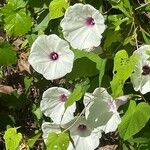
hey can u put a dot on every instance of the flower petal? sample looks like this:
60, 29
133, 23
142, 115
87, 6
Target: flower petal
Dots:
101, 110
52, 106
140, 81
99, 113
41, 61
77, 32
119, 101
88, 139
112, 124
85, 143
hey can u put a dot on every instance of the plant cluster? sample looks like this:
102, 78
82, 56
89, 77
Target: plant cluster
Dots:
72, 72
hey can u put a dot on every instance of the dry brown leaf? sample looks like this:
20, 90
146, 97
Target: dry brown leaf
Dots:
6, 89
108, 147
23, 63
17, 43
23, 146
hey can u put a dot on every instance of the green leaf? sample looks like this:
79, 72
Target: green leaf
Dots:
143, 136
36, 111
12, 139
134, 119
77, 93
31, 38
57, 141
75, 96
111, 37
7, 9
16, 4
124, 6
116, 20
7, 54
147, 8
57, 8
82, 67
146, 37
42, 25
123, 68
129, 39
36, 3
32, 140
27, 82
144, 146
12, 6
90, 55
90, 63
17, 23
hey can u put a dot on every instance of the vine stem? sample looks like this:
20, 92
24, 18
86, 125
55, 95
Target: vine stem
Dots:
135, 34
142, 6
144, 31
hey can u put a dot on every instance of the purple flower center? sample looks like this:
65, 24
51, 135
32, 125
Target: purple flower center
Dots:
63, 98
146, 70
53, 56
90, 21
82, 127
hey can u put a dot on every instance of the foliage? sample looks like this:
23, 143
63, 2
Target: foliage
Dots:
110, 65
123, 68
8, 54
57, 141
132, 122
57, 8
12, 139
17, 21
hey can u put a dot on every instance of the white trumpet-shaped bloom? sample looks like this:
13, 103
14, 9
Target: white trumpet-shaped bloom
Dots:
51, 57
141, 75
101, 110
53, 105
83, 135
82, 26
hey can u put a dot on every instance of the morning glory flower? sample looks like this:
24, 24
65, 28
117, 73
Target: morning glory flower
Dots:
82, 26
51, 57
84, 135
101, 110
141, 75
53, 105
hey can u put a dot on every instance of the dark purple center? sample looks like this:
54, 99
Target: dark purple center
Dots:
63, 98
82, 127
90, 21
53, 56
146, 70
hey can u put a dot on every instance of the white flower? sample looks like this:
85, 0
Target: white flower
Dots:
101, 110
51, 57
141, 76
84, 135
82, 26
53, 105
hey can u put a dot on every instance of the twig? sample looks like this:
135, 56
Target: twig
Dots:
142, 6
